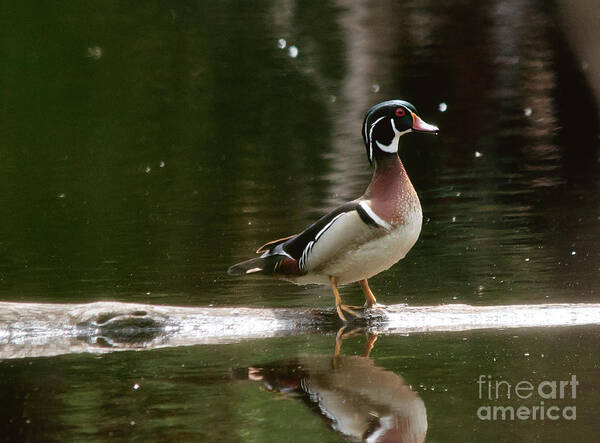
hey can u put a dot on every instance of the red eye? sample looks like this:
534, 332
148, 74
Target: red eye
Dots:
400, 112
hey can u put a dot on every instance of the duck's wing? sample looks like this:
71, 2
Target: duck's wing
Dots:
348, 223
270, 245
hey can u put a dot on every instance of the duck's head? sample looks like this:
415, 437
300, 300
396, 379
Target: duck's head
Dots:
386, 122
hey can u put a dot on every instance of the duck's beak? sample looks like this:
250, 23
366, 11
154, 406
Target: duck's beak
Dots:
420, 126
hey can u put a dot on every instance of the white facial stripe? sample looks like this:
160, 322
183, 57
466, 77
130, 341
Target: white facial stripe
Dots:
393, 146
371, 137
377, 219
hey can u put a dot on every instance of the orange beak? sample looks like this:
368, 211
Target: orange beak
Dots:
420, 126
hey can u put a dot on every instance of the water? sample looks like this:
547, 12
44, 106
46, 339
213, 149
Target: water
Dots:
203, 393
148, 147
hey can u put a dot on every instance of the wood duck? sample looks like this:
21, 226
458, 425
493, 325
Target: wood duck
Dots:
363, 237
360, 400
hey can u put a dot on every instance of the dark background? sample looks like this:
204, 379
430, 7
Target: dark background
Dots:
146, 146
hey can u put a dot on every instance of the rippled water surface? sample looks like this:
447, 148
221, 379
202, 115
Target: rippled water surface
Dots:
295, 389
146, 147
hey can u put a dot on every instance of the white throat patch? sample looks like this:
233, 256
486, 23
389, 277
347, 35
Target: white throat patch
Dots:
393, 146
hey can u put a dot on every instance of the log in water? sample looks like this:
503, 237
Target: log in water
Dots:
39, 329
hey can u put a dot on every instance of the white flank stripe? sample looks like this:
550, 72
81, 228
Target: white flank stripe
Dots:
328, 225
305, 253
309, 246
250, 271
377, 219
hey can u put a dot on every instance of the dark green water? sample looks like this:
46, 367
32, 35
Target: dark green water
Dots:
203, 393
147, 146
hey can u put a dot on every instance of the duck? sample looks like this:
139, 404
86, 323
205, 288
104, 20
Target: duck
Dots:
363, 237
359, 399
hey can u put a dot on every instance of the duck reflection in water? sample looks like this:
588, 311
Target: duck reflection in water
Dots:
359, 399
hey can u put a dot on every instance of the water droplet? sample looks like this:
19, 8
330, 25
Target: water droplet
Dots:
527, 259
453, 219
526, 354
293, 51
132, 423
527, 112
136, 387
162, 164
281, 43
147, 169
442, 107
61, 195
478, 154
573, 252
375, 88
94, 52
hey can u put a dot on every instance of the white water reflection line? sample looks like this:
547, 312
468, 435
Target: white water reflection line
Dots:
39, 329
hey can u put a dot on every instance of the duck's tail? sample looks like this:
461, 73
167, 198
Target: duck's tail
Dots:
260, 265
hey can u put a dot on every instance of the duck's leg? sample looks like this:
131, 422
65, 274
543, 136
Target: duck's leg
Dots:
339, 337
339, 306
371, 339
369, 296
342, 335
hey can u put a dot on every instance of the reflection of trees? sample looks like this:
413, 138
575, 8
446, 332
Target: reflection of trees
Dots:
498, 65
580, 25
256, 144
